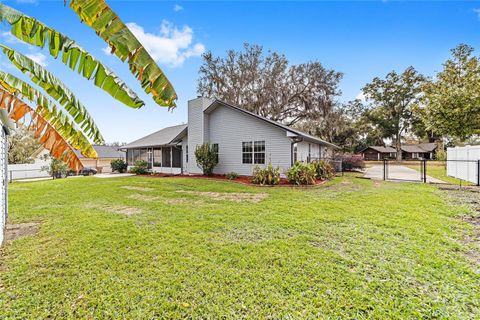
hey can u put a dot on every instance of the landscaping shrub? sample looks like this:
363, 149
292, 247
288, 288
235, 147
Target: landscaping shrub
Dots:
207, 157
324, 170
266, 176
232, 175
140, 167
57, 168
118, 165
351, 162
302, 173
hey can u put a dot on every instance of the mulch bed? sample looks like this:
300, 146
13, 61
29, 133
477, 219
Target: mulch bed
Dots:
247, 180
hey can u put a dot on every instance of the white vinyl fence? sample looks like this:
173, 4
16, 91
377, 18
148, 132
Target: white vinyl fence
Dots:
464, 163
3, 182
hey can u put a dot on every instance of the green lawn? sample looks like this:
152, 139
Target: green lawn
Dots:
143, 248
439, 171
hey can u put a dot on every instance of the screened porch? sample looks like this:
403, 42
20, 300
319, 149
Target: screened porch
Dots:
166, 159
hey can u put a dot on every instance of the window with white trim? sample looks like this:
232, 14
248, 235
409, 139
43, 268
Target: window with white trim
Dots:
253, 152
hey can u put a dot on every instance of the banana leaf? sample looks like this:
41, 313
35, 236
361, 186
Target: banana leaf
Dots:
98, 15
36, 33
70, 132
57, 90
46, 134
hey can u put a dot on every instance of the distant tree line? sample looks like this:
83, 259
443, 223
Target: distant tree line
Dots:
398, 107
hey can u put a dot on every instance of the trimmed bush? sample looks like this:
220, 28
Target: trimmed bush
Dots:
350, 162
232, 175
118, 165
323, 170
266, 176
207, 158
140, 167
302, 173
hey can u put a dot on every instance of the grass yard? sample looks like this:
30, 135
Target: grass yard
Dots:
439, 171
143, 248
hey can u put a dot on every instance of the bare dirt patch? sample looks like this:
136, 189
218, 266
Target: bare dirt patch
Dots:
143, 197
19, 230
117, 209
184, 201
230, 196
135, 188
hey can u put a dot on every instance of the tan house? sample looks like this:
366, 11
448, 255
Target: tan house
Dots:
105, 155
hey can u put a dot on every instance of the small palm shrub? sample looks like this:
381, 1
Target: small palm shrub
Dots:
140, 167
266, 176
118, 165
323, 170
232, 175
207, 158
302, 173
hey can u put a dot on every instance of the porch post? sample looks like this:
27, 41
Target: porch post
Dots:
161, 159
171, 159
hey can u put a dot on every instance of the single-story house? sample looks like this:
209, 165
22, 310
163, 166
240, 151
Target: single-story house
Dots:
105, 155
378, 153
243, 140
409, 152
417, 151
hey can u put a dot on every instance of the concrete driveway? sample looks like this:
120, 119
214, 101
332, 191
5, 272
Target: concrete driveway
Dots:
397, 172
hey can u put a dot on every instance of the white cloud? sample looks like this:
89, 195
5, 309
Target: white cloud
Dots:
170, 46
39, 58
9, 38
107, 50
177, 7
477, 11
360, 96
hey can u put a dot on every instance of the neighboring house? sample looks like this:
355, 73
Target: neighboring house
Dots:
409, 152
105, 155
242, 138
378, 153
417, 151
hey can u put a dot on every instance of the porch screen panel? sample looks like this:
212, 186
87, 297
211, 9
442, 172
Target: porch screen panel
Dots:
177, 158
157, 157
166, 157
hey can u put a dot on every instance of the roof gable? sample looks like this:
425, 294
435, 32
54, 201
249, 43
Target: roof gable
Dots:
161, 137
299, 133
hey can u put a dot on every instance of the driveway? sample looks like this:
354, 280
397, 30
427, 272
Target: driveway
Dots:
397, 172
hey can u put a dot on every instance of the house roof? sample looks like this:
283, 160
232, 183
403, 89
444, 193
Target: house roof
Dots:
417, 148
305, 136
381, 149
162, 137
105, 152
420, 148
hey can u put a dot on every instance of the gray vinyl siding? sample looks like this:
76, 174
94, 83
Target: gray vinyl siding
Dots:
197, 130
302, 151
229, 128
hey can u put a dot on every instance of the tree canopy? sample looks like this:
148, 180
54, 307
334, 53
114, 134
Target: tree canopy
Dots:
266, 84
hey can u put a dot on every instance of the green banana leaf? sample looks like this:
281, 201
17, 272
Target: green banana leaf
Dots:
34, 32
60, 121
57, 90
98, 15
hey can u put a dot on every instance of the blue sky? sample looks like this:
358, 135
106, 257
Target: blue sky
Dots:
362, 39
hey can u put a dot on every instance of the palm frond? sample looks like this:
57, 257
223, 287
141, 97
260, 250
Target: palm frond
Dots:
98, 15
36, 33
46, 134
56, 89
49, 112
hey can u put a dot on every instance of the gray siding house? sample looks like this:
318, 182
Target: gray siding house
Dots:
243, 140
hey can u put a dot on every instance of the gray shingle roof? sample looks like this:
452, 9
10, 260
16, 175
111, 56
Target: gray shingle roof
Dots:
159, 138
381, 149
421, 147
105, 152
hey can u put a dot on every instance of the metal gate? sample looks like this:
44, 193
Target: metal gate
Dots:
407, 170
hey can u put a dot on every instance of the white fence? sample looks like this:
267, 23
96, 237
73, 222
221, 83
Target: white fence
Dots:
463, 163
3, 183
